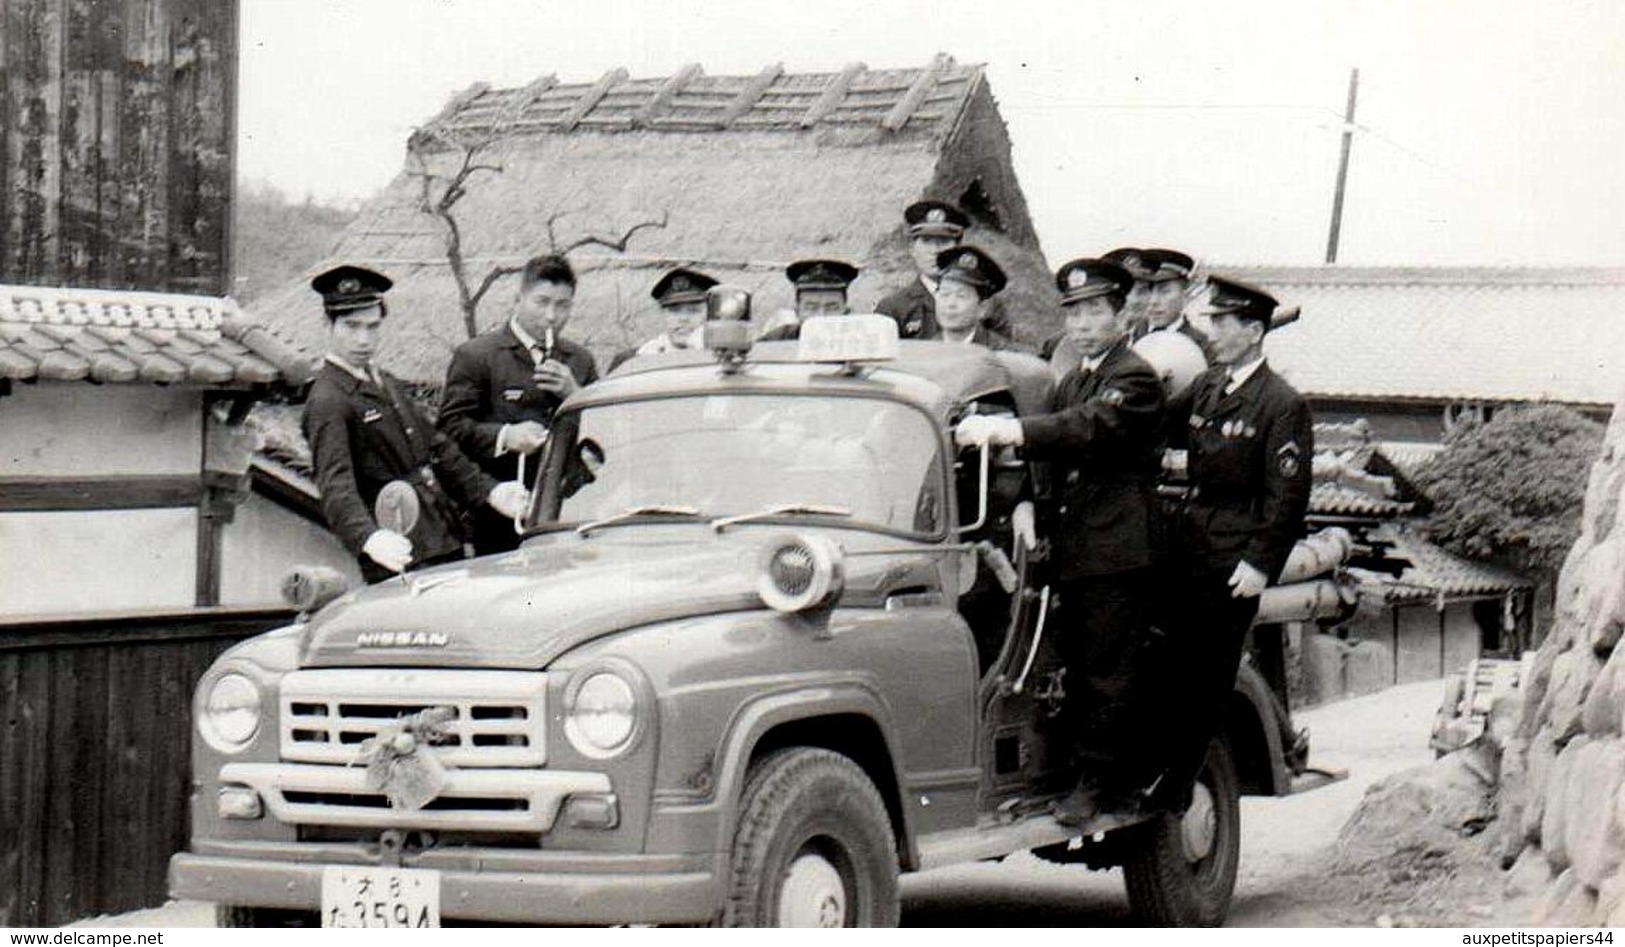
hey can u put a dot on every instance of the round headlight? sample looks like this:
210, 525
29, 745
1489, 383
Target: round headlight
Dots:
231, 713
602, 716
800, 572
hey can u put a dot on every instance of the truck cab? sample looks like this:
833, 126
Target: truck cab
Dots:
766, 646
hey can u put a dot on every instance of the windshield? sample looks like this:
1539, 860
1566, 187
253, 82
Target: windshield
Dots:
874, 461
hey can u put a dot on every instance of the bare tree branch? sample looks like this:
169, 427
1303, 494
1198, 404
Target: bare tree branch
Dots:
440, 193
619, 246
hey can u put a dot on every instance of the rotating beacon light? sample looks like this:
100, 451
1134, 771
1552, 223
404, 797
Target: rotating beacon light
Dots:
727, 323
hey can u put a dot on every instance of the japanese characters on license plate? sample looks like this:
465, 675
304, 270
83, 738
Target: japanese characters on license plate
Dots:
380, 897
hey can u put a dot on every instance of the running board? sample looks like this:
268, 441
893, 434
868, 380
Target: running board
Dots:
994, 840
1314, 778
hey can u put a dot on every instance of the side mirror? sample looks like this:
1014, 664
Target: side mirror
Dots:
983, 462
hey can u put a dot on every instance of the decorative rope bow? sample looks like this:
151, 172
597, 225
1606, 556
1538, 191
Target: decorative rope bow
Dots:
408, 778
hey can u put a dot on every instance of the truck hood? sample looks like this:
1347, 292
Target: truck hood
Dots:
525, 608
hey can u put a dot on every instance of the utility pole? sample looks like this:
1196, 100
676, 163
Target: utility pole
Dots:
1342, 169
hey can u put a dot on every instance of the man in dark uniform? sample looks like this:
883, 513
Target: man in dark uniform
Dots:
1168, 282
1250, 443
933, 226
364, 431
1103, 442
1133, 259
967, 283
820, 288
503, 386
680, 292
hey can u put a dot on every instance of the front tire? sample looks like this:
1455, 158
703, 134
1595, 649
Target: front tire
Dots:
814, 846
1180, 868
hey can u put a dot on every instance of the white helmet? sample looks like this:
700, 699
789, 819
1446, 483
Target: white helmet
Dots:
1176, 358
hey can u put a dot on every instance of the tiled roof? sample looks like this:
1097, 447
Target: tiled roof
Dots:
1332, 499
930, 98
1436, 573
1407, 456
122, 337
1450, 334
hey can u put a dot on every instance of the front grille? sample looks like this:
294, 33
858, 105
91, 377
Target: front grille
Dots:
499, 717
472, 800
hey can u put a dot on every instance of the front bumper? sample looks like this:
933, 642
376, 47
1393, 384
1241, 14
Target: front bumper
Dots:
491, 885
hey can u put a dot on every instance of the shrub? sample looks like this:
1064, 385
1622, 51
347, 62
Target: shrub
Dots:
1511, 489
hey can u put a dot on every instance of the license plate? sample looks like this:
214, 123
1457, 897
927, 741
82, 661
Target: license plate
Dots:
380, 897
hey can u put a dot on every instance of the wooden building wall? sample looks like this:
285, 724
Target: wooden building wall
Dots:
117, 127
95, 771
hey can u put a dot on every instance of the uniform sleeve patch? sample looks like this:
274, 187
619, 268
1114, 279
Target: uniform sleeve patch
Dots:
1289, 465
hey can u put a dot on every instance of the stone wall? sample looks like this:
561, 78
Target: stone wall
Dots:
1562, 766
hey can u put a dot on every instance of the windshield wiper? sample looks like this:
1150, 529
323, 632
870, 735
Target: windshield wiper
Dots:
651, 509
782, 509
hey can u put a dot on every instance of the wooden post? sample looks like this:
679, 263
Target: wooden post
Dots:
751, 94
1342, 169
832, 95
589, 100
910, 102
514, 108
668, 90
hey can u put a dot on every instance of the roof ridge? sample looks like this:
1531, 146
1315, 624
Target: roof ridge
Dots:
1486, 274
691, 100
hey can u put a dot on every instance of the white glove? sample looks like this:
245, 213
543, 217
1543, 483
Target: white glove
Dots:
510, 499
1023, 523
524, 437
979, 429
1247, 582
389, 549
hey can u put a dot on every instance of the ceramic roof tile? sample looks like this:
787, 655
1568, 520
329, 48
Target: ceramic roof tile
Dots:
122, 337
1435, 573
1451, 334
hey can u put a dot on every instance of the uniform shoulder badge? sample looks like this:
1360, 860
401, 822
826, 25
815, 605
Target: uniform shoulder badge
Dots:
1112, 396
1287, 459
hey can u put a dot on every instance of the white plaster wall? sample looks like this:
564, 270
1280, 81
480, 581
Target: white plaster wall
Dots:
65, 563
263, 543
61, 429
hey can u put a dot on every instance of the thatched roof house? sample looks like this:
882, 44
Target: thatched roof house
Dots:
749, 173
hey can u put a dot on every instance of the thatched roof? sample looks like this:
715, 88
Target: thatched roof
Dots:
748, 173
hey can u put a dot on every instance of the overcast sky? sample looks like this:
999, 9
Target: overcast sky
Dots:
1489, 132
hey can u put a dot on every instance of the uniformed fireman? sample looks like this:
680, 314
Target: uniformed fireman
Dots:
1167, 290
820, 290
1133, 260
680, 293
1250, 444
1103, 444
364, 431
503, 387
932, 226
967, 282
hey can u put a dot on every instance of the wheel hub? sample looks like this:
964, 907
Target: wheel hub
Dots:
1199, 826
813, 894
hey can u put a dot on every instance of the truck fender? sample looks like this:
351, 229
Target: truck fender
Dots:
1255, 736
762, 714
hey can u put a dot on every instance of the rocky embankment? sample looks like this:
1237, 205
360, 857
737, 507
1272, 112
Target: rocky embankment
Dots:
1561, 754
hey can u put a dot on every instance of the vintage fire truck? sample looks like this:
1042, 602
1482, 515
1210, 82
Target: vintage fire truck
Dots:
728, 678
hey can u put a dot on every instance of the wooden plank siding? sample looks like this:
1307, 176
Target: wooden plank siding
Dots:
116, 133
95, 731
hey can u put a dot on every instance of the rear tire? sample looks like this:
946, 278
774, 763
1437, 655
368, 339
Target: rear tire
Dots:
1180, 868
814, 846
230, 915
